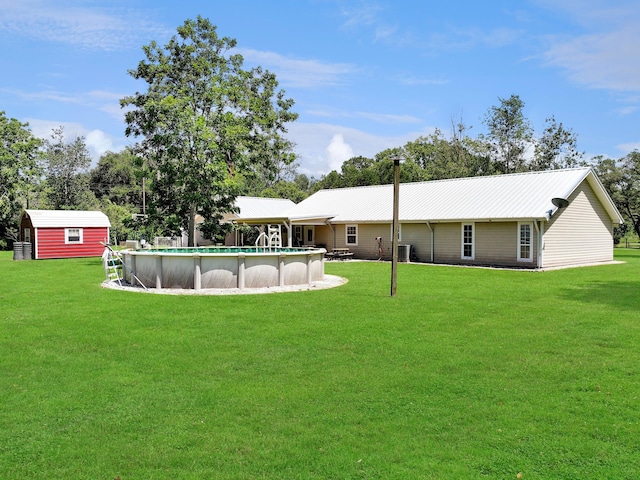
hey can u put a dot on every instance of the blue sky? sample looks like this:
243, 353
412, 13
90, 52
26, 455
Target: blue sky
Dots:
365, 75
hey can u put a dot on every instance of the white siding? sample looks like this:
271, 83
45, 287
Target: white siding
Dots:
581, 233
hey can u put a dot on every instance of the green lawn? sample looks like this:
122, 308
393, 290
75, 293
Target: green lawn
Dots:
466, 373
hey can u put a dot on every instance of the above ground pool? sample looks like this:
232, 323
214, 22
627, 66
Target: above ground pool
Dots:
223, 267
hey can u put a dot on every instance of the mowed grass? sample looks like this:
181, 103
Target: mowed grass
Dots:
466, 373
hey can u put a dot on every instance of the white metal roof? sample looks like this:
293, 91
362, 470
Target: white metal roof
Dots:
257, 208
499, 197
67, 218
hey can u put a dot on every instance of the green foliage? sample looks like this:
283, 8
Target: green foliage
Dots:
118, 178
67, 178
557, 148
622, 181
19, 173
204, 123
461, 375
284, 189
510, 134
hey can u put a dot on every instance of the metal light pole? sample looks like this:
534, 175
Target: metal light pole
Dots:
394, 241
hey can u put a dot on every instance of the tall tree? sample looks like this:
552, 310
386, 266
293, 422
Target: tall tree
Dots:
622, 181
19, 170
557, 148
67, 165
118, 178
203, 120
510, 134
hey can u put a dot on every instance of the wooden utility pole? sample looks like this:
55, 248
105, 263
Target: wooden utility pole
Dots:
394, 241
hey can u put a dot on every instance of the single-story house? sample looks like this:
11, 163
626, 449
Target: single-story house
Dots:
528, 220
64, 233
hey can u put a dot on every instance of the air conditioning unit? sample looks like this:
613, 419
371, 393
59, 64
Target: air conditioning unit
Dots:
404, 252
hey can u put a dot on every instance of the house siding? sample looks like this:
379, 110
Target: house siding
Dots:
580, 233
417, 235
324, 236
50, 243
446, 244
496, 243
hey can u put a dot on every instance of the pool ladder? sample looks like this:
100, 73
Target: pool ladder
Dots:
273, 239
112, 265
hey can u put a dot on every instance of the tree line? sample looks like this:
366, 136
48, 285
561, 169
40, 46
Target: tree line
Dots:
207, 130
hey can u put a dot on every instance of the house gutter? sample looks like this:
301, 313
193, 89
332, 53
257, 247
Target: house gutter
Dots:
334, 233
432, 239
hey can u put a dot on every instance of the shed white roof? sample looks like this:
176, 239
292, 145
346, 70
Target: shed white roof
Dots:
67, 218
499, 197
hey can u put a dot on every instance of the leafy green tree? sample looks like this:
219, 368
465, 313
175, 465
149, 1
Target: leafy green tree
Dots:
510, 134
204, 121
285, 189
118, 178
359, 171
622, 181
410, 171
19, 171
331, 180
557, 148
441, 158
66, 168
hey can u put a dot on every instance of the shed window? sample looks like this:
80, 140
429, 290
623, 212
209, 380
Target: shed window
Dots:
72, 235
525, 250
468, 237
352, 235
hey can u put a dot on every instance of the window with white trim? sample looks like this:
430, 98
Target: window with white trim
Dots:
525, 242
72, 235
468, 241
352, 235
399, 232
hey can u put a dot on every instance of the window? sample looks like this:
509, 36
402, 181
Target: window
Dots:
525, 249
352, 235
72, 235
468, 250
399, 232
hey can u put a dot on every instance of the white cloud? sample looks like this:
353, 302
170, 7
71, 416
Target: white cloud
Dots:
324, 147
97, 141
299, 72
606, 54
94, 28
627, 148
338, 152
609, 60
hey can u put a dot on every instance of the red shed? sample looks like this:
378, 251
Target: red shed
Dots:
64, 233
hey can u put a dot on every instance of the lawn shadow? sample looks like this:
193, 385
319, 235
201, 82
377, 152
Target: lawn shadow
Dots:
619, 295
